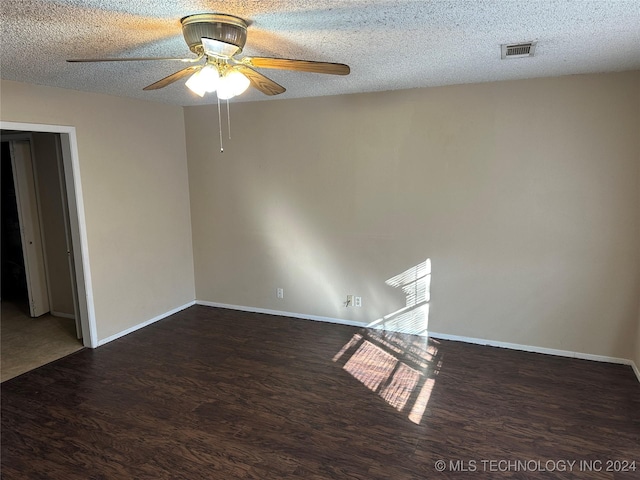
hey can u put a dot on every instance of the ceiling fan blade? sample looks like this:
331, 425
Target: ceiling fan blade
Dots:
298, 65
174, 77
259, 81
132, 59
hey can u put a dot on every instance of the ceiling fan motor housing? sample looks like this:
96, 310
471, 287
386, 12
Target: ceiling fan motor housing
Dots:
225, 28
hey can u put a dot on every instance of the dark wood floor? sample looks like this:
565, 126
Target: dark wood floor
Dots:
217, 394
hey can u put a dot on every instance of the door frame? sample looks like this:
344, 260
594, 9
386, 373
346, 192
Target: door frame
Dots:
71, 163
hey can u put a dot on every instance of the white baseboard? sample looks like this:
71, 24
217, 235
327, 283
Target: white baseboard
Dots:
144, 324
530, 348
63, 315
636, 370
303, 316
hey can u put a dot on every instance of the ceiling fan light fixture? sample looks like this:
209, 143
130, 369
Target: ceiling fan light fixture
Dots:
225, 28
210, 77
218, 48
195, 86
231, 84
239, 82
204, 80
225, 90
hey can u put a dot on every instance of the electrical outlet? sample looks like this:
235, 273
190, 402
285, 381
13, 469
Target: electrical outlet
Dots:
357, 302
349, 302
280, 292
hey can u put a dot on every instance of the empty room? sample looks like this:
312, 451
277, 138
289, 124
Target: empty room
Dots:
320, 240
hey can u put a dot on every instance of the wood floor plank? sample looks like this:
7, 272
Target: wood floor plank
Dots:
214, 393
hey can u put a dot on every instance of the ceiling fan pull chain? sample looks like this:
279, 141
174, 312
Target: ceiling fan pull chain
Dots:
220, 124
228, 119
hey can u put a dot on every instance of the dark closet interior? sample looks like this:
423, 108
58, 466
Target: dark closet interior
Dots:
14, 281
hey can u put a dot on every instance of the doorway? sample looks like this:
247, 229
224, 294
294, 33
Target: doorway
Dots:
13, 279
70, 268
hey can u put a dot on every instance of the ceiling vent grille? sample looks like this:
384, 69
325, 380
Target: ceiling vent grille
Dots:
518, 50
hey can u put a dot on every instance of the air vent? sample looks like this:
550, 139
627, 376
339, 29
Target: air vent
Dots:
518, 50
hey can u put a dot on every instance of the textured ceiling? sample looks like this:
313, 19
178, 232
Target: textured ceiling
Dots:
388, 44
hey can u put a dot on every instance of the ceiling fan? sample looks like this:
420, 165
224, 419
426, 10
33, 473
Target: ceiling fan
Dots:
218, 39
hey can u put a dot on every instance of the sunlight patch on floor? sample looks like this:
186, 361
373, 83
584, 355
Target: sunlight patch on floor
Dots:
371, 365
399, 368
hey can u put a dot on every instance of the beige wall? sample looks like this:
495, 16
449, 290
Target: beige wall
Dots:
523, 194
135, 188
